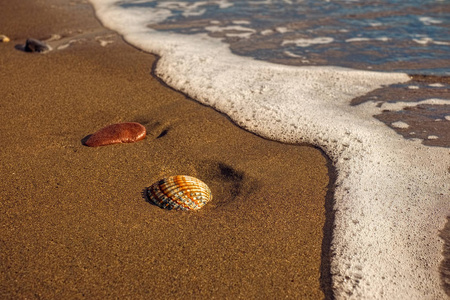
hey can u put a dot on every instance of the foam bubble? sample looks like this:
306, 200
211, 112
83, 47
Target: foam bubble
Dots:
429, 21
267, 32
228, 28
401, 105
375, 24
362, 39
232, 31
391, 195
423, 41
441, 43
427, 40
308, 42
282, 29
438, 85
241, 22
400, 124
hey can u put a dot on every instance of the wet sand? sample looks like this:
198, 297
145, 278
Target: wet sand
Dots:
74, 220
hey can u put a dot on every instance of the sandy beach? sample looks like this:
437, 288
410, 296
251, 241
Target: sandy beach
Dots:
74, 220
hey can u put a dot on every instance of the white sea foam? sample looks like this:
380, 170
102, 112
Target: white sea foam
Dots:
282, 29
362, 39
437, 85
441, 43
429, 21
290, 54
375, 24
189, 9
427, 40
396, 106
241, 22
236, 30
308, 42
392, 195
267, 32
400, 124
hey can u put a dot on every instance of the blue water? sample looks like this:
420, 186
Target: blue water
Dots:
409, 36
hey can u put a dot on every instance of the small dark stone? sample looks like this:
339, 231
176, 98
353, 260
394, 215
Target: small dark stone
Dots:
33, 45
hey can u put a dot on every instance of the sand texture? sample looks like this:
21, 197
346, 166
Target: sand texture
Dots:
74, 220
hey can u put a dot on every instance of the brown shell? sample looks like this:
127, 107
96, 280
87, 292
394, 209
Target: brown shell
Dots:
179, 192
117, 133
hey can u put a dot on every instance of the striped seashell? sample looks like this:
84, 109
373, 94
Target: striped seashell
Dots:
180, 193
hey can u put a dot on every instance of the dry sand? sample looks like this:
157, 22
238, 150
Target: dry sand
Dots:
74, 223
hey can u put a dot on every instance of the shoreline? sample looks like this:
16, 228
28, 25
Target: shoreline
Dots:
76, 224
376, 166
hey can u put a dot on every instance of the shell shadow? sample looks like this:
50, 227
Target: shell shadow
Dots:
20, 47
163, 133
84, 140
444, 268
145, 196
153, 127
326, 281
227, 183
234, 177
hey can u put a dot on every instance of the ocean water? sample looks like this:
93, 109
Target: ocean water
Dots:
367, 81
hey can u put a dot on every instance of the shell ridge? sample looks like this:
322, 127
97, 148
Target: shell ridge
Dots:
172, 189
180, 192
